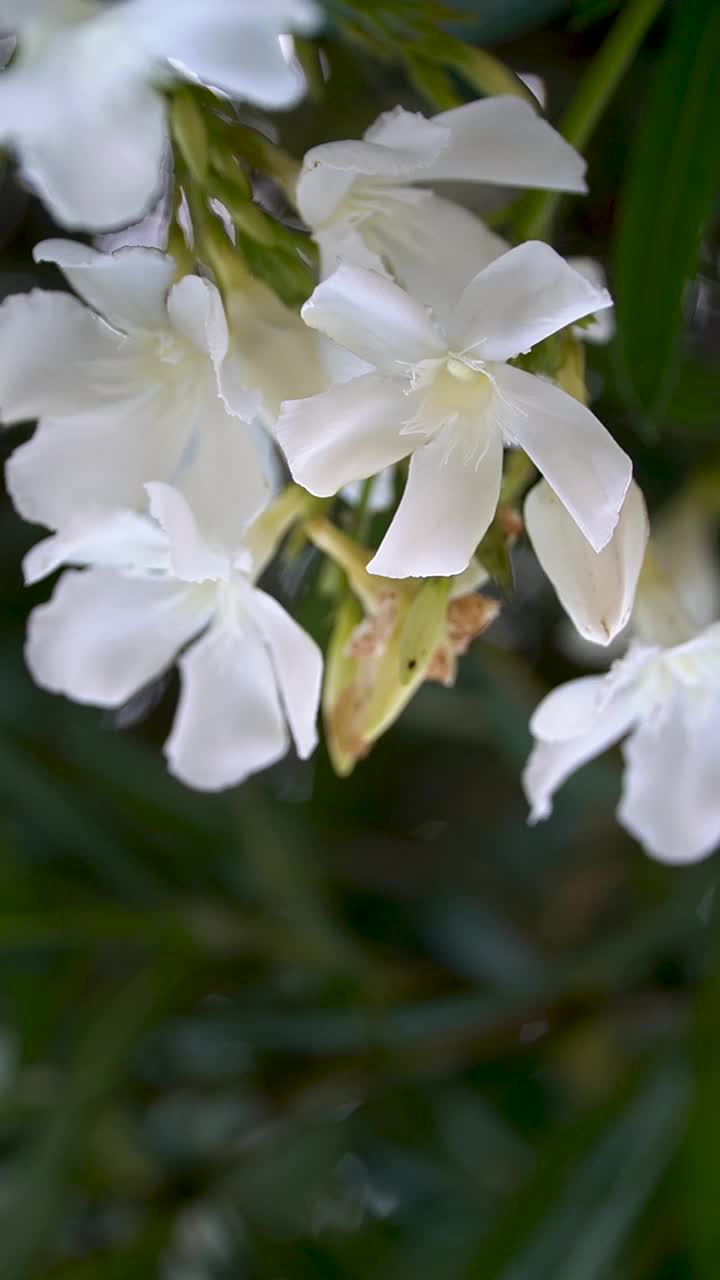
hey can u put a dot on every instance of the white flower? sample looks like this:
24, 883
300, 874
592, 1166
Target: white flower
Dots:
666, 704
597, 589
361, 199
155, 589
80, 102
138, 386
452, 401
602, 329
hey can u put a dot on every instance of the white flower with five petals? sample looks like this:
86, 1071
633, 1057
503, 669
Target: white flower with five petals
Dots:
156, 588
452, 401
368, 203
80, 103
139, 385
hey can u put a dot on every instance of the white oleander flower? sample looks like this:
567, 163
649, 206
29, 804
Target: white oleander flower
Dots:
665, 703
157, 588
364, 205
138, 385
451, 400
596, 589
80, 102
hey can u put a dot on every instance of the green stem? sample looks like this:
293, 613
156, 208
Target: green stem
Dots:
593, 96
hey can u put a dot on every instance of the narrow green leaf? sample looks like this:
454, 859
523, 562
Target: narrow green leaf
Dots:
673, 178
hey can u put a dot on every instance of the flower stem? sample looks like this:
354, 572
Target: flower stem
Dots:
594, 94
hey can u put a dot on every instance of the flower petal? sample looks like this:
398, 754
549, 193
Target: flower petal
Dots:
519, 299
503, 140
446, 508
94, 153
104, 459
400, 146
195, 309
224, 478
551, 763
571, 710
581, 462
671, 792
104, 635
118, 539
192, 558
433, 249
274, 351
298, 664
348, 433
128, 287
48, 343
231, 46
229, 722
374, 318
597, 589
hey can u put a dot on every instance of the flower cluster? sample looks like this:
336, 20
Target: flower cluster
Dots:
382, 344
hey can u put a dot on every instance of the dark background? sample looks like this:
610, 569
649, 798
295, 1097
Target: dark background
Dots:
312, 1029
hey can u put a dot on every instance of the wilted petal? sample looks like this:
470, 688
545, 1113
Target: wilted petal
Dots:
48, 345
348, 433
597, 589
374, 318
298, 665
671, 789
229, 722
581, 462
503, 140
519, 299
446, 508
128, 287
551, 763
104, 635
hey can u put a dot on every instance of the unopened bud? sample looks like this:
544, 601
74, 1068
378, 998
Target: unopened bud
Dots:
188, 129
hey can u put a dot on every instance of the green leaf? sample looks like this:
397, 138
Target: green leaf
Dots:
673, 177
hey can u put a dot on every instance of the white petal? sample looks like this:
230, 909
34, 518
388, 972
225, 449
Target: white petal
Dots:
96, 163
597, 589
570, 710
671, 790
192, 558
551, 763
229, 721
196, 310
348, 433
602, 329
128, 287
581, 462
298, 664
224, 478
104, 459
374, 318
519, 299
433, 249
104, 635
229, 45
503, 140
446, 508
400, 146
118, 539
48, 345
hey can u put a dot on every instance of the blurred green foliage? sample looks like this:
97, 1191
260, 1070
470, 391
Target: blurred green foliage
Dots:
380, 1028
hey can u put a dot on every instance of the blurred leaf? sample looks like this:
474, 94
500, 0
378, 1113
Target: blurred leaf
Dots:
673, 178
571, 1219
700, 1179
